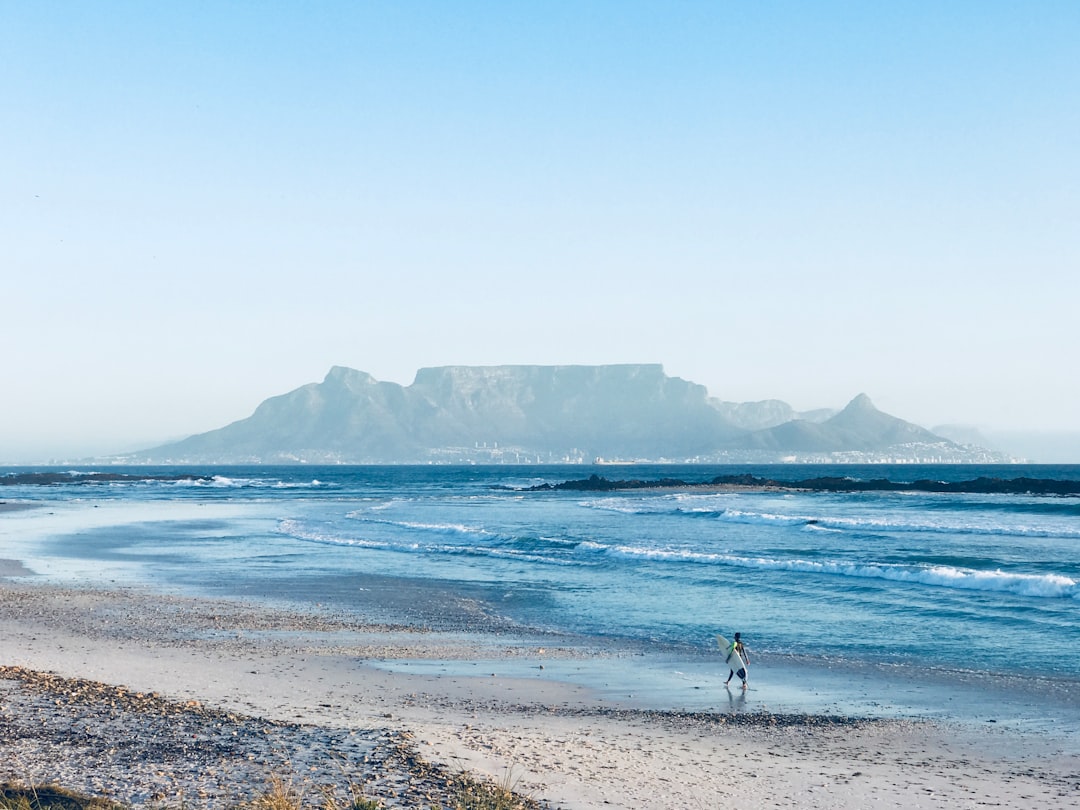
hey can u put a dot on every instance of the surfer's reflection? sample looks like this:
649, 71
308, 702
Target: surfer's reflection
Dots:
736, 700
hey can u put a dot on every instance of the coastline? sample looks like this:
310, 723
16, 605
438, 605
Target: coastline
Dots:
13, 568
318, 688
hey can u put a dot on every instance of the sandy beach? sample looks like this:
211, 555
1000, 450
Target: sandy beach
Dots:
149, 698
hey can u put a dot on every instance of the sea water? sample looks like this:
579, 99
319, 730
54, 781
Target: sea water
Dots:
972, 592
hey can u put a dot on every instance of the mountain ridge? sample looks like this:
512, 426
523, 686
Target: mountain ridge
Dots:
545, 414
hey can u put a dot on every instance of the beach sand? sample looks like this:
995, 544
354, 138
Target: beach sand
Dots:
151, 699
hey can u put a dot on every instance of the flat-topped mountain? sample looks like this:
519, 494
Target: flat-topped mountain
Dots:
541, 414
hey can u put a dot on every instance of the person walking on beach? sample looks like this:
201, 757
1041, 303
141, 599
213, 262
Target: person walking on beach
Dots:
738, 647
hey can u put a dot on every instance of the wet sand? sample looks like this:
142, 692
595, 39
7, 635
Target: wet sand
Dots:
152, 698
13, 568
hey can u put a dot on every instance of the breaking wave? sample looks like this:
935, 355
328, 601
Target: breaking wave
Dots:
1050, 586
300, 531
567, 552
1066, 527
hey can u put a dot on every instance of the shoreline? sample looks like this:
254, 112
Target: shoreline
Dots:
326, 681
13, 568
17, 506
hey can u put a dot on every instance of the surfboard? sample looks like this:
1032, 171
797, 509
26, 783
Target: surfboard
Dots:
733, 659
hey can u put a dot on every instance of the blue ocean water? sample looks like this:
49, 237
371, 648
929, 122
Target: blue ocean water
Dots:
977, 584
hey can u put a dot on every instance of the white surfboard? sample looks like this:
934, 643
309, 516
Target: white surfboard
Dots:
732, 658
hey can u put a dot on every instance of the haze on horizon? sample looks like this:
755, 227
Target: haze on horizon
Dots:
205, 205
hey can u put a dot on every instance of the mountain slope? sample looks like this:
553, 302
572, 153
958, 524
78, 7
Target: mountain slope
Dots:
858, 427
542, 414
624, 410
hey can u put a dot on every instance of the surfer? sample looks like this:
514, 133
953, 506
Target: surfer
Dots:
741, 658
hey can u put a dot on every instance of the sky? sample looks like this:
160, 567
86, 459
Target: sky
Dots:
203, 205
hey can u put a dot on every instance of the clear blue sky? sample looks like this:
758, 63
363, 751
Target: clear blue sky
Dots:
206, 204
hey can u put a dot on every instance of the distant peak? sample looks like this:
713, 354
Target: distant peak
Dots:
347, 376
861, 403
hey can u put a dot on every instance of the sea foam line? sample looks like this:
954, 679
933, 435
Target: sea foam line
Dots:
227, 482
442, 528
1051, 586
856, 523
885, 524
294, 528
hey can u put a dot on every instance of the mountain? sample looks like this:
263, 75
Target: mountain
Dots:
858, 427
766, 413
542, 414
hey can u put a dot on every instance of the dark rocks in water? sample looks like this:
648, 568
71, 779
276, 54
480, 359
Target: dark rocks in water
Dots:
594, 483
981, 485
51, 478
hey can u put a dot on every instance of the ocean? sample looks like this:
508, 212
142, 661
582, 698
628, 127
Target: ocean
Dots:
947, 604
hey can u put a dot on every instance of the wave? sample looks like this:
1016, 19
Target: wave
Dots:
100, 478
1051, 586
91, 477
893, 522
543, 550
658, 506
227, 482
296, 529
413, 525
898, 524
453, 539
494, 541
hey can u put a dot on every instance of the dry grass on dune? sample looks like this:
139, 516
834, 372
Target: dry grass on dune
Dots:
49, 797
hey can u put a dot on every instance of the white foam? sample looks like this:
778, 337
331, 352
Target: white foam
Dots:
452, 528
441, 528
296, 529
1051, 586
892, 522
